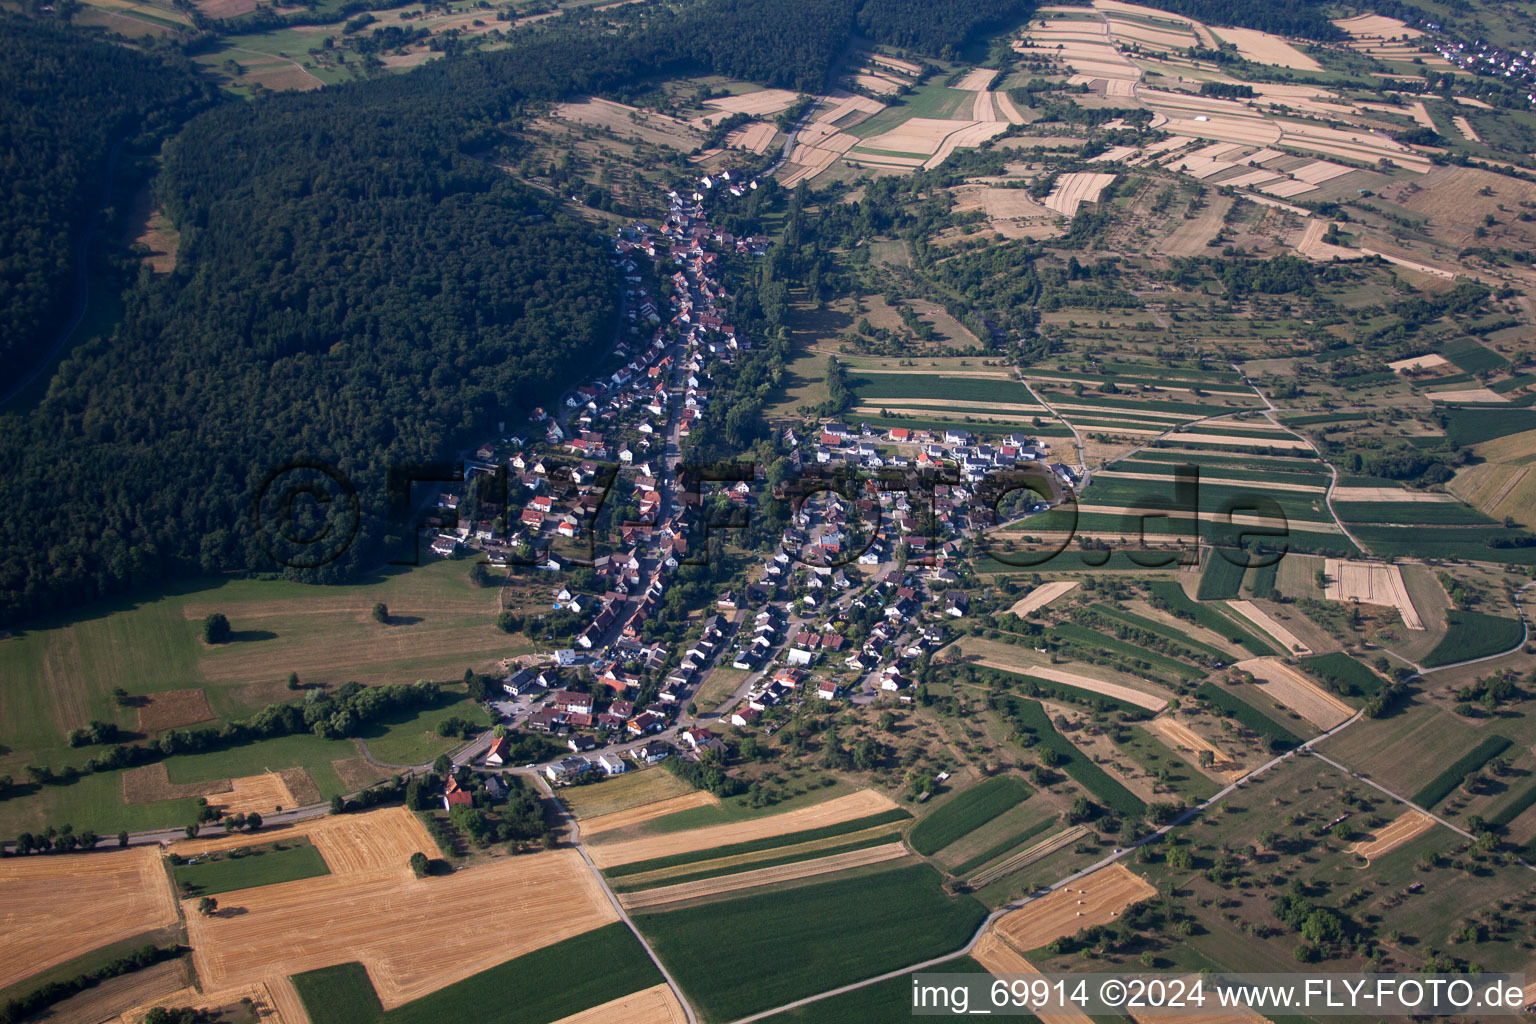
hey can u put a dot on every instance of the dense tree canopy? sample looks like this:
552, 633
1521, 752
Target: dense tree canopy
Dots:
931, 25
64, 104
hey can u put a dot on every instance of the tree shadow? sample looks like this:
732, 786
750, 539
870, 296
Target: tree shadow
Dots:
241, 636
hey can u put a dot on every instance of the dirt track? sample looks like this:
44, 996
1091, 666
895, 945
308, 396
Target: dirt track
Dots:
844, 808
58, 907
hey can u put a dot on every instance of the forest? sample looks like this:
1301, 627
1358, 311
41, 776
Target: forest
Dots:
932, 27
65, 104
1304, 19
357, 285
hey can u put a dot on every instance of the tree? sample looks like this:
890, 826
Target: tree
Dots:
442, 766
207, 905
252, 822
381, 613
122, 838
293, 681
419, 864
192, 830
216, 628
338, 805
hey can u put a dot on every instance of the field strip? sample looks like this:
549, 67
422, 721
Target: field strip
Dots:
1424, 362
1235, 1016
1266, 623
260, 793
1023, 859
746, 860
286, 1001
654, 1005
412, 935
1142, 699
1278, 522
645, 812
1095, 899
972, 416
935, 371
939, 405
1041, 596
1387, 494
1287, 687
1288, 443
1128, 413
62, 906
1400, 831
1224, 481
999, 958
762, 876
861, 804
262, 996
1181, 736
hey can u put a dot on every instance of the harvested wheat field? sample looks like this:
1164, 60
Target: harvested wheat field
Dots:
1142, 699
1041, 596
1424, 362
1075, 188
1284, 685
654, 1005
1480, 395
1263, 48
1024, 858
1370, 583
1400, 831
380, 841
977, 80
1376, 26
1266, 623
63, 906
268, 1008
172, 709
762, 876
755, 138
839, 809
627, 122
999, 958
915, 135
968, 136
1094, 899
635, 815
757, 104
260, 793
413, 935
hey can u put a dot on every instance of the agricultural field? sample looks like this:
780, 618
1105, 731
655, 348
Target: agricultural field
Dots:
900, 915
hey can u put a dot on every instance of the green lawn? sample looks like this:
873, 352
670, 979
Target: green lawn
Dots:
967, 811
411, 737
556, 981
266, 864
741, 956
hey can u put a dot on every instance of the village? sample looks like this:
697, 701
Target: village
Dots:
856, 592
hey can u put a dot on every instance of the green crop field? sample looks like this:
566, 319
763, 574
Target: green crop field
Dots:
1248, 715
1474, 426
1221, 580
1344, 675
790, 855
967, 811
1474, 635
872, 387
1440, 787
839, 932
284, 860
1432, 513
535, 988
1472, 357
